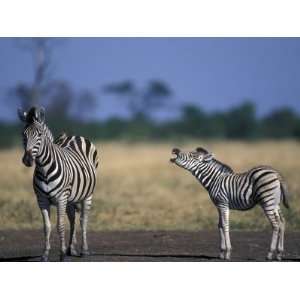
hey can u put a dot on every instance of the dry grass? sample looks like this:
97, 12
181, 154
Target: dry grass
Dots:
139, 189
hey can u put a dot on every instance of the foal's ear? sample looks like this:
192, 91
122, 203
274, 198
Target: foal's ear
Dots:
22, 114
208, 157
201, 150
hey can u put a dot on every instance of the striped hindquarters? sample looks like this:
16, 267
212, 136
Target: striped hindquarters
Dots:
267, 187
260, 185
84, 166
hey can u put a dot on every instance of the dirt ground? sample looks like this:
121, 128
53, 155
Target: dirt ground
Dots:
26, 245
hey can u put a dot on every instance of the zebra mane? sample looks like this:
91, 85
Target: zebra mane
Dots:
47, 132
224, 168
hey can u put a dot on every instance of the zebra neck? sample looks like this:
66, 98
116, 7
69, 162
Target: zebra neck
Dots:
44, 159
46, 148
47, 133
206, 173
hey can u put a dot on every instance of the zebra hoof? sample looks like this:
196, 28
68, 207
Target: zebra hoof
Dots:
279, 256
62, 257
44, 258
72, 252
84, 253
227, 256
222, 255
270, 256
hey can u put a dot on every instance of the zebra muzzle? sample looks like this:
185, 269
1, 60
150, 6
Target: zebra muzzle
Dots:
27, 159
175, 151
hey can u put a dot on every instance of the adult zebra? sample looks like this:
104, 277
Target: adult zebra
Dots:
240, 191
64, 176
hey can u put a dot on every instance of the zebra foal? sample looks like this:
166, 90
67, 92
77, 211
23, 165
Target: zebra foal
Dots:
238, 191
64, 176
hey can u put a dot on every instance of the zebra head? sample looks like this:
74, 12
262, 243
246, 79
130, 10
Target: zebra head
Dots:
32, 133
191, 160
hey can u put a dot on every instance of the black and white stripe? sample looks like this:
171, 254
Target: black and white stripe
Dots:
64, 176
239, 191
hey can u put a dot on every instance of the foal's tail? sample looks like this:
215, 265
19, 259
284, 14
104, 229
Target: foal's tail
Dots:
284, 194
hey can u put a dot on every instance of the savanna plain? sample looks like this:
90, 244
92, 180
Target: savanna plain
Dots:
139, 189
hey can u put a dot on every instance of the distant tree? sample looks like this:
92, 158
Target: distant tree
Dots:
217, 125
58, 100
126, 91
86, 102
193, 121
57, 96
140, 102
281, 123
41, 50
297, 128
155, 95
240, 121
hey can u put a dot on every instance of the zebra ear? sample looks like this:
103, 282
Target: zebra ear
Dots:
39, 114
42, 115
208, 157
36, 113
22, 114
202, 150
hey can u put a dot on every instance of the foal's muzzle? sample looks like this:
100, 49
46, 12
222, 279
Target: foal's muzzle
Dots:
175, 152
27, 158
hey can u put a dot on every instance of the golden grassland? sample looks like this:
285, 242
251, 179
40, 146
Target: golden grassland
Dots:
139, 189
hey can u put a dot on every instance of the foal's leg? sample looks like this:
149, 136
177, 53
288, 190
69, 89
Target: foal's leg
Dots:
224, 212
221, 237
280, 247
274, 219
72, 218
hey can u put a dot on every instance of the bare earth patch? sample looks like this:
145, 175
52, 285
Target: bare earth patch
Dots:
26, 245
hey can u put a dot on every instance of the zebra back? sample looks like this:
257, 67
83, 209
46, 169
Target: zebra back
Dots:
74, 143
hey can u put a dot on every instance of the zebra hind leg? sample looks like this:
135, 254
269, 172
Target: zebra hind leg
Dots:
280, 246
61, 210
86, 205
274, 219
71, 212
228, 245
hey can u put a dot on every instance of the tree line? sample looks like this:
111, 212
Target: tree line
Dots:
239, 122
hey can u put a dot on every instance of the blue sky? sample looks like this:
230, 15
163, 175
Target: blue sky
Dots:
214, 73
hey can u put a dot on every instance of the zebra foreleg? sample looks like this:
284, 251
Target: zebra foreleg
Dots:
83, 222
47, 231
61, 211
222, 239
73, 241
224, 215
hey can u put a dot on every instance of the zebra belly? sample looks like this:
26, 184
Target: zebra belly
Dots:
242, 199
53, 192
242, 207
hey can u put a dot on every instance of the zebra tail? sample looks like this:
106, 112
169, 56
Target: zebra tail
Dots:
284, 194
96, 159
